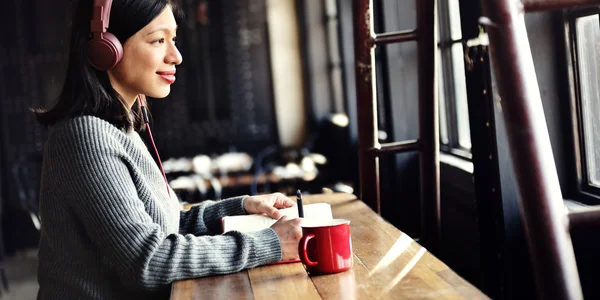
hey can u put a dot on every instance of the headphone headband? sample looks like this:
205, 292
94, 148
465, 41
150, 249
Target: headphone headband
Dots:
100, 16
104, 49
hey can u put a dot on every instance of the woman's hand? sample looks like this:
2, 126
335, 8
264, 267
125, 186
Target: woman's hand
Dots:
289, 233
267, 204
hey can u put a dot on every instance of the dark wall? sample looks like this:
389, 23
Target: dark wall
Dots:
32, 59
460, 232
223, 98
316, 62
547, 43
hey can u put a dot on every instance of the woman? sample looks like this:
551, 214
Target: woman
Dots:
110, 228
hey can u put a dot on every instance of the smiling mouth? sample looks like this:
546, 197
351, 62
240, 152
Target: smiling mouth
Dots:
169, 77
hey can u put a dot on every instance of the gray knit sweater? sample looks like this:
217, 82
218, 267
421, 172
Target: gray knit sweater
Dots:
110, 230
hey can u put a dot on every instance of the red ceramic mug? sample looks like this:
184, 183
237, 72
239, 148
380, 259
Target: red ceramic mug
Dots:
326, 247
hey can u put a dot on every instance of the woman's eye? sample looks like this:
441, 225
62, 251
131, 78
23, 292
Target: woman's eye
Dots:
159, 41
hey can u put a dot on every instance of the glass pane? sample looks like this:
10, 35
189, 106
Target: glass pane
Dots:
588, 49
441, 99
460, 96
458, 74
454, 13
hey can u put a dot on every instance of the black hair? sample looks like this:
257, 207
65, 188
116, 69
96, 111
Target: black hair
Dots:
87, 91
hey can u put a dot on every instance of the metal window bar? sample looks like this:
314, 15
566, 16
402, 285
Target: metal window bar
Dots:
544, 215
428, 146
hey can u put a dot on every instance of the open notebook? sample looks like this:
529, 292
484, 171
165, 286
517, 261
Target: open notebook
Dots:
248, 223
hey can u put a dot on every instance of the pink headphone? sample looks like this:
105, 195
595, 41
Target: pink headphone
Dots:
104, 49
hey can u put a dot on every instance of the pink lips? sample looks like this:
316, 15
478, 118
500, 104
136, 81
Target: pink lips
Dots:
168, 76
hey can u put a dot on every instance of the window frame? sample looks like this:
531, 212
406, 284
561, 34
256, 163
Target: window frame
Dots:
584, 192
448, 99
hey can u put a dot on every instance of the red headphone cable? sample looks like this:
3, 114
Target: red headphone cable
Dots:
147, 122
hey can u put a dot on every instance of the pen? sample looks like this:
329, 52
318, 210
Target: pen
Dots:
299, 202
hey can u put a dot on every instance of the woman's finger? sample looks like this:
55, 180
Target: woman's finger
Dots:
270, 211
284, 202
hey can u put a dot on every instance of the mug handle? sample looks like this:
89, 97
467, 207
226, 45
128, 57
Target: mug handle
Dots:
302, 250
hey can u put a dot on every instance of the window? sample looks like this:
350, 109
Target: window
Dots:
584, 39
455, 134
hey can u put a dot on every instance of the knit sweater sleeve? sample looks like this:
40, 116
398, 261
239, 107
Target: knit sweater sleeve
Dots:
205, 218
101, 191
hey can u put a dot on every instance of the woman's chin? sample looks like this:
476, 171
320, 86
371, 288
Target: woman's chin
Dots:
159, 94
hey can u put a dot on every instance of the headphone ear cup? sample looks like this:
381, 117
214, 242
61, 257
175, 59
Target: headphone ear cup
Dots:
104, 53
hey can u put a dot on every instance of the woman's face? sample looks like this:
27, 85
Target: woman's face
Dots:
149, 60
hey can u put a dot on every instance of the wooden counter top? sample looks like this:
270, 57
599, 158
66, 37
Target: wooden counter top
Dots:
388, 264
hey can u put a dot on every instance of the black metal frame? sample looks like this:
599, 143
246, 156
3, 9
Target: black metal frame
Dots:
369, 148
484, 151
584, 192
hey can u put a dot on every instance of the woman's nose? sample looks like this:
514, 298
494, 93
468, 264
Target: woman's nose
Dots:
174, 56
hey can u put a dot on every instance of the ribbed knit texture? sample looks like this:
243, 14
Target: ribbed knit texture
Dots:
110, 230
